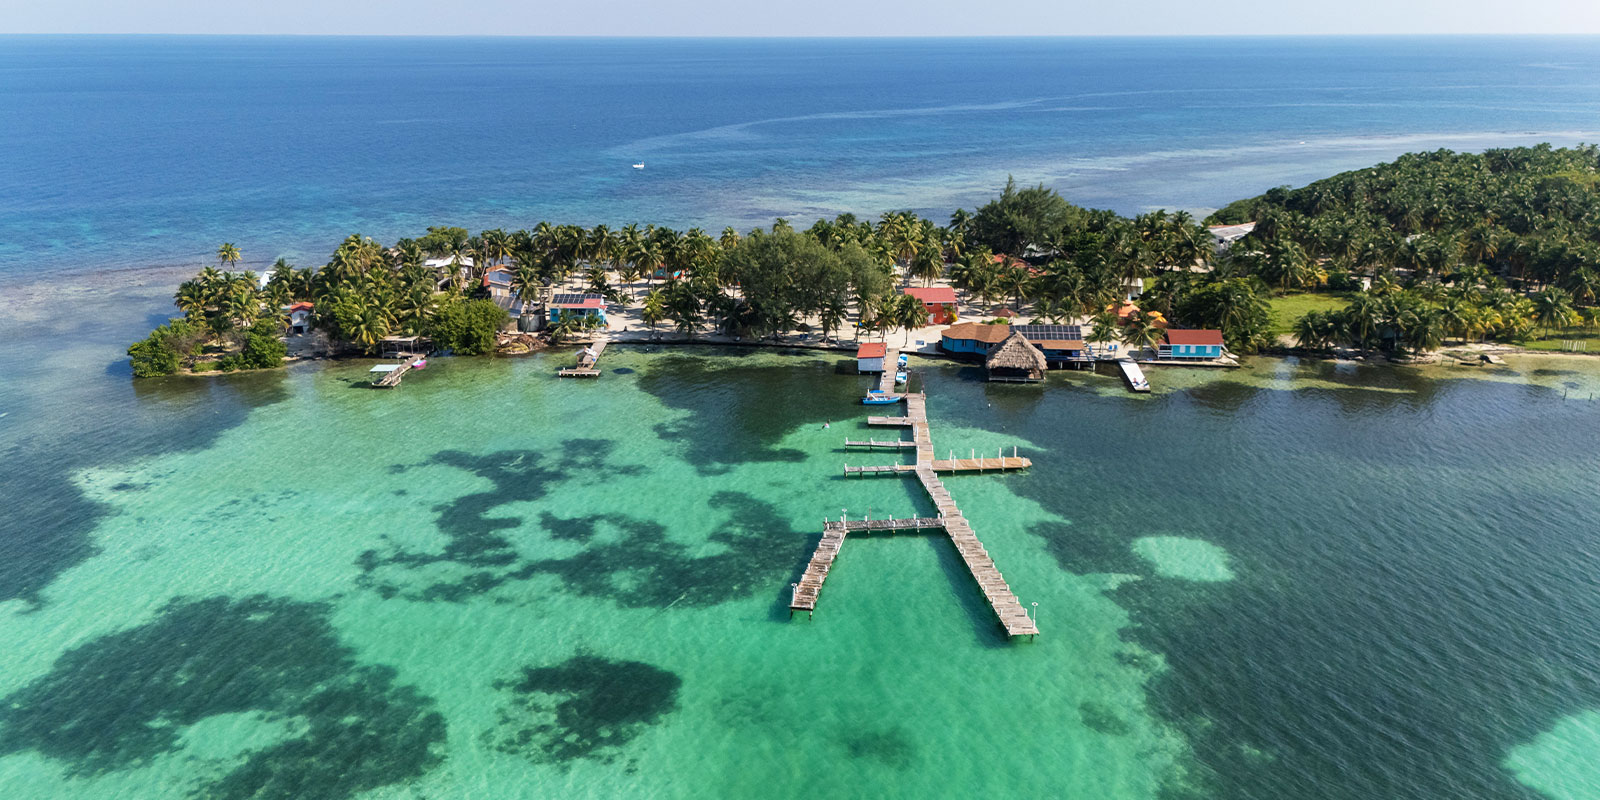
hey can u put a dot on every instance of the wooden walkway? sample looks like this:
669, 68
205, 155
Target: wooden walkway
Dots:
392, 378
1013, 617
870, 443
586, 362
891, 364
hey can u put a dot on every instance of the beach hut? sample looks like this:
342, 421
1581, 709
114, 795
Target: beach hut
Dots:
1191, 344
1015, 359
589, 305
972, 338
869, 356
940, 301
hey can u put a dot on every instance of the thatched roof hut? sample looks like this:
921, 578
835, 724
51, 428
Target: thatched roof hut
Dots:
1015, 359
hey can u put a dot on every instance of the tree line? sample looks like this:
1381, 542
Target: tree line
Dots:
1496, 245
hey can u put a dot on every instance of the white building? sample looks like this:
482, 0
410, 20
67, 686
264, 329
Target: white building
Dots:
1223, 236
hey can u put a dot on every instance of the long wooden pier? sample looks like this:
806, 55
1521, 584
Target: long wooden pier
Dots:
1013, 617
587, 359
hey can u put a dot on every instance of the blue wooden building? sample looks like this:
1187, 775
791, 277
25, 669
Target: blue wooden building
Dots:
1191, 344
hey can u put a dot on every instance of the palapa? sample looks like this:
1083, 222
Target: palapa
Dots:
1015, 359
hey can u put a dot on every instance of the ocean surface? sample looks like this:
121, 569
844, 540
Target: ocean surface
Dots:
1293, 580
128, 151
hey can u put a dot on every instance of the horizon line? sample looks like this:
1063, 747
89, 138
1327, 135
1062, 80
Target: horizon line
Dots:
822, 37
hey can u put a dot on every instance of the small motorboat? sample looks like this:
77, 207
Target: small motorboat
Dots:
900, 376
904, 360
639, 165
877, 398
420, 363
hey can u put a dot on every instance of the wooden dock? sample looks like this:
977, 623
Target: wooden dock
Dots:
391, 378
587, 359
891, 365
871, 443
1131, 373
1013, 617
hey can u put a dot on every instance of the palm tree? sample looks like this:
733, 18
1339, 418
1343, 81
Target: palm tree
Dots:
1103, 328
909, 313
1552, 308
1454, 315
1311, 330
1140, 334
527, 283
927, 264
228, 255
191, 299
654, 310
368, 328
1584, 284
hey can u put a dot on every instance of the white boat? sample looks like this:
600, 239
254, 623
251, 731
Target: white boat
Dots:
639, 165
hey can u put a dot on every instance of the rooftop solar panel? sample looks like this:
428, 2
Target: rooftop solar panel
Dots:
1038, 332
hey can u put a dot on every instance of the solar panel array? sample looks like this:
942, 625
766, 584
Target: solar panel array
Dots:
1037, 333
574, 299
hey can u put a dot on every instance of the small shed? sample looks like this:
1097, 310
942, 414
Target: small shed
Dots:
402, 346
1015, 359
869, 356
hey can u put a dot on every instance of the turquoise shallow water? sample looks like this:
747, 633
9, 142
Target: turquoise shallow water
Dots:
1292, 580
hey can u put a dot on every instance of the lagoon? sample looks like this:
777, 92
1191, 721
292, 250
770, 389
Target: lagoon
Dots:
493, 583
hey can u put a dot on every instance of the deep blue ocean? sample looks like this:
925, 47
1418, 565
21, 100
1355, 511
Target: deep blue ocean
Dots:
121, 151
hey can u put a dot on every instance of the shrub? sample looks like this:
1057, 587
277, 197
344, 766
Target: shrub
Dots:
467, 327
163, 351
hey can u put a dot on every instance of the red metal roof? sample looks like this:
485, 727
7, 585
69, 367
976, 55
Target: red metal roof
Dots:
872, 350
300, 306
934, 295
1194, 337
592, 302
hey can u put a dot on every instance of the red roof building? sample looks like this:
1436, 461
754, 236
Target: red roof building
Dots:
1200, 337
940, 302
872, 350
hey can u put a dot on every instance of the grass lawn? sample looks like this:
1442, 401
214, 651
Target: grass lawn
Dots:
1290, 307
1557, 341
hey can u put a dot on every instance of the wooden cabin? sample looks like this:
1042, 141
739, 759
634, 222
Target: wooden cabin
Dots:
1016, 360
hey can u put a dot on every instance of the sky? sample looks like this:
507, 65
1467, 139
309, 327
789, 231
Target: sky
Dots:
800, 18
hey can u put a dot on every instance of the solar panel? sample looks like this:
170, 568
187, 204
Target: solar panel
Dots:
575, 299
1054, 332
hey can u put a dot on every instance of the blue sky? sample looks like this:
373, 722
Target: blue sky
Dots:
796, 18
